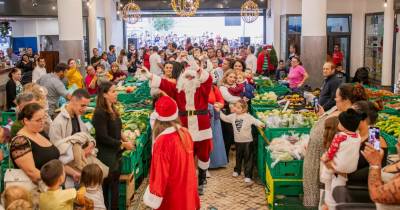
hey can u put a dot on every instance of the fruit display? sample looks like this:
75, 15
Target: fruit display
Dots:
289, 119
295, 99
390, 125
378, 93
127, 89
393, 105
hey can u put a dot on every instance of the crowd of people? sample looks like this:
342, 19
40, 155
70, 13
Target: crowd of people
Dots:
202, 95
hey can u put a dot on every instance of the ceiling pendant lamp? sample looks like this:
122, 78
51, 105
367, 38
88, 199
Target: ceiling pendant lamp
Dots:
185, 8
249, 11
131, 13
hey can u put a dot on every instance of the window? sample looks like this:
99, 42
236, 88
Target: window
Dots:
373, 45
294, 24
338, 25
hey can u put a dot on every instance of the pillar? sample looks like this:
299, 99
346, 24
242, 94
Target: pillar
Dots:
388, 27
114, 27
70, 24
92, 21
313, 39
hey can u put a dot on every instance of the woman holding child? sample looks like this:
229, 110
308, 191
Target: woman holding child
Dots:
346, 95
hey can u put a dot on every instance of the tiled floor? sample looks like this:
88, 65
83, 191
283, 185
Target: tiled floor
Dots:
223, 192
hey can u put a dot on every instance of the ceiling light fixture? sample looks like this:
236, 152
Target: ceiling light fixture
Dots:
249, 11
53, 7
131, 13
185, 8
385, 4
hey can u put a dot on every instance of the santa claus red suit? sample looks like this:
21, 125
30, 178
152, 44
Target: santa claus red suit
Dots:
172, 182
191, 94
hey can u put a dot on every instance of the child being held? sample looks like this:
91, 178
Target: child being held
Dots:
91, 187
238, 89
102, 75
248, 90
242, 122
344, 151
53, 175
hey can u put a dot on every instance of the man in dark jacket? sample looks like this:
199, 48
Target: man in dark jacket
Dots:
331, 84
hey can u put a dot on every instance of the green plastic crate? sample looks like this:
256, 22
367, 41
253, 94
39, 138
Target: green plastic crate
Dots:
255, 109
6, 116
289, 203
129, 163
122, 197
272, 133
391, 141
261, 158
285, 169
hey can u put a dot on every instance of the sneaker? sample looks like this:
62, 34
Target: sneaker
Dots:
208, 174
248, 180
201, 190
235, 174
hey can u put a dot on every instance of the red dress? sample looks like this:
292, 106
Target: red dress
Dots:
173, 180
146, 60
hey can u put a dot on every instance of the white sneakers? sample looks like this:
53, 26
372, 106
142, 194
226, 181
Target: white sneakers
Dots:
235, 174
208, 174
248, 180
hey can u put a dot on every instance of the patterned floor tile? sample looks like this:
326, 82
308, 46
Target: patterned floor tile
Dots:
223, 192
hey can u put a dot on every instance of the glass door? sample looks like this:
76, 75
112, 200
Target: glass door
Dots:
339, 40
343, 42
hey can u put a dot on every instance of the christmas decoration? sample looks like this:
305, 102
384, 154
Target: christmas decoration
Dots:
185, 8
249, 11
131, 13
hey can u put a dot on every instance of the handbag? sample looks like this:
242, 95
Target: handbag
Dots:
17, 177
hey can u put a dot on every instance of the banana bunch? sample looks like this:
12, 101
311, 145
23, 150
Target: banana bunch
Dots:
390, 126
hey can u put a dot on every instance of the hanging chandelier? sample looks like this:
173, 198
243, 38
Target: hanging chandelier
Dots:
185, 8
249, 11
131, 13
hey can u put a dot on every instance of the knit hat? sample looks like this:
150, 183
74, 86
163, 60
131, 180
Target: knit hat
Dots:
350, 119
166, 109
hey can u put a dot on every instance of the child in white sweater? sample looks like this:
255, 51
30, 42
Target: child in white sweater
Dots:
241, 123
344, 152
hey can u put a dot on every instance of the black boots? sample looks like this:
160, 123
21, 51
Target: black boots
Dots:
202, 176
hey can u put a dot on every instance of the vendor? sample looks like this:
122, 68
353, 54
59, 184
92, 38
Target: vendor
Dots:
297, 74
331, 84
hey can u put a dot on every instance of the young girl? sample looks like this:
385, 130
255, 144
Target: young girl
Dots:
345, 147
242, 122
91, 181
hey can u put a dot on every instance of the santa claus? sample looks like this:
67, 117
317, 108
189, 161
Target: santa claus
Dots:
191, 94
172, 180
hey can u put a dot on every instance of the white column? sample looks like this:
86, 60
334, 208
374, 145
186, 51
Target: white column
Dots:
388, 28
70, 25
92, 21
313, 39
313, 17
114, 27
70, 21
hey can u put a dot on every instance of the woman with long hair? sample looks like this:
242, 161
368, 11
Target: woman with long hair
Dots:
108, 126
346, 95
13, 87
172, 182
122, 61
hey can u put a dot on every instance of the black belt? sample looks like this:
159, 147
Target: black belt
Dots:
193, 112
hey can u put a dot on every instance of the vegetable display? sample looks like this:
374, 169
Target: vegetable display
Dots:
289, 119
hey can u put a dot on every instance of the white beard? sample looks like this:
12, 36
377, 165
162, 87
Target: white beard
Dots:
189, 86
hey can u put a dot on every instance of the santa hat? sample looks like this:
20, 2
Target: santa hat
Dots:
165, 109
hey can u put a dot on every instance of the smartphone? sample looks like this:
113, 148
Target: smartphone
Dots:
316, 104
374, 136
